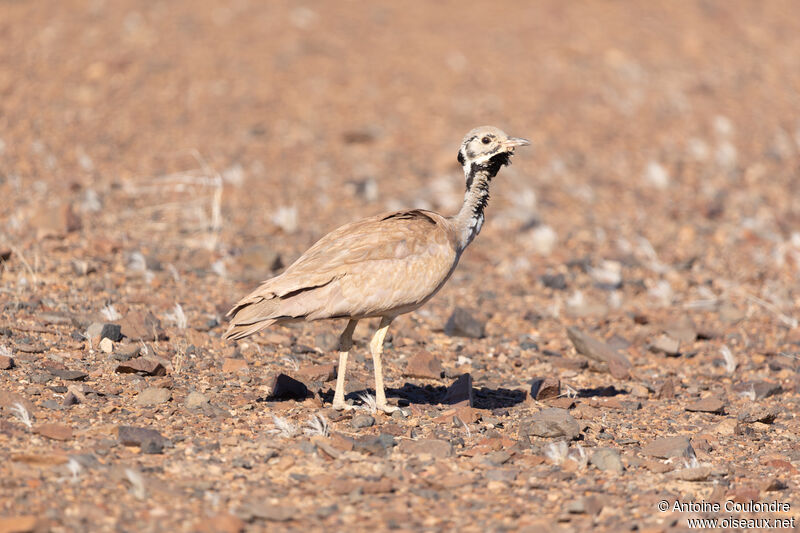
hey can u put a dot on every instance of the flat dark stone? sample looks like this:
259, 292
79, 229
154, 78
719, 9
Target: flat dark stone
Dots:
69, 375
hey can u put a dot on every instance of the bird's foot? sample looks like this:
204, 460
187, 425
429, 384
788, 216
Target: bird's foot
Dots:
388, 409
341, 406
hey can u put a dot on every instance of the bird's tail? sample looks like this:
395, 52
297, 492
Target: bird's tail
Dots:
250, 317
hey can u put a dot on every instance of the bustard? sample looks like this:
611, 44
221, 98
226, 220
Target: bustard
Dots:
382, 266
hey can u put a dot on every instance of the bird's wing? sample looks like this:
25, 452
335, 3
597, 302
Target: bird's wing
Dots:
365, 268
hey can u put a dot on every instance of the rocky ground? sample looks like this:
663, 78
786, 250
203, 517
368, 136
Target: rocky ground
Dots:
623, 332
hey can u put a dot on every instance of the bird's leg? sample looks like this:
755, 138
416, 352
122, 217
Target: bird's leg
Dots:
345, 343
376, 349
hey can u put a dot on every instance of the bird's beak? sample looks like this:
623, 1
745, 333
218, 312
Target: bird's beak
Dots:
513, 142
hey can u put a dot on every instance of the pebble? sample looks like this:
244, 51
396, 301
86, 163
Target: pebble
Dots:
554, 281
148, 440
54, 431
460, 393
106, 346
758, 413
618, 365
666, 390
607, 460
707, 405
762, 389
506, 475
697, 473
234, 364
324, 373
285, 387
436, 448
362, 421
196, 400
667, 447
550, 423
152, 396
6, 362
69, 375
143, 366
666, 345
126, 352
462, 324
137, 325
544, 388
423, 364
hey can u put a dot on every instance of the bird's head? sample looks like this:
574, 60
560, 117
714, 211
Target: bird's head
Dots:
487, 147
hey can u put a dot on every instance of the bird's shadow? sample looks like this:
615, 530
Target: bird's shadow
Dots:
411, 394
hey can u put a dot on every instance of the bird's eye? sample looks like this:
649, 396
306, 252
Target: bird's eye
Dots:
486, 140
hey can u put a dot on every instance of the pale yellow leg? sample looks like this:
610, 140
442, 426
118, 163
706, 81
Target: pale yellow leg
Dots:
376, 349
345, 343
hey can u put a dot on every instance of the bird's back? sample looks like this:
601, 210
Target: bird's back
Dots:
379, 266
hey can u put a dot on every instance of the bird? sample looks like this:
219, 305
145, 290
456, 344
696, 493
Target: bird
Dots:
379, 267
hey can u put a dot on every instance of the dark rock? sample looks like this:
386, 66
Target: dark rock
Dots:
373, 445
70, 399
69, 375
148, 440
423, 364
362, 421
618, 364
143, 366
112, 332
460, 392
759, 413
550, 423
554, 281
462, 324
125, 352
544, 388
607, 460
287, 388
667, 447
707, 405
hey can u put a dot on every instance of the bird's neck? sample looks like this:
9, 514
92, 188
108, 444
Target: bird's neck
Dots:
469, 220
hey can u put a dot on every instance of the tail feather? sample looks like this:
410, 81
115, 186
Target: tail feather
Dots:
250, 317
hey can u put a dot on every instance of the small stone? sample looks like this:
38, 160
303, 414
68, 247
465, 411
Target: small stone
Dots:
152, 396
287, 388
758, 413
425, 365
141, 437
506, 475
362, 421
667, 447
590, 505
69, 375
6, 362
666, 345
311, 373
727, 427
54, 431
141, 326
460, 392
438, 449
18, 524
143, 366
268, 512
125, 352
618, 365
106, 346
554, 281
544, 388
550, 423
666, 390
112, 332
462, 324
607, 460
232, 364
707, 405
28, 347
70, 399
697, 473
220, 523
761, 389
196, 400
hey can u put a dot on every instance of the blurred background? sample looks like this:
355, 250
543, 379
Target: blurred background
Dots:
165, 156
220, 137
